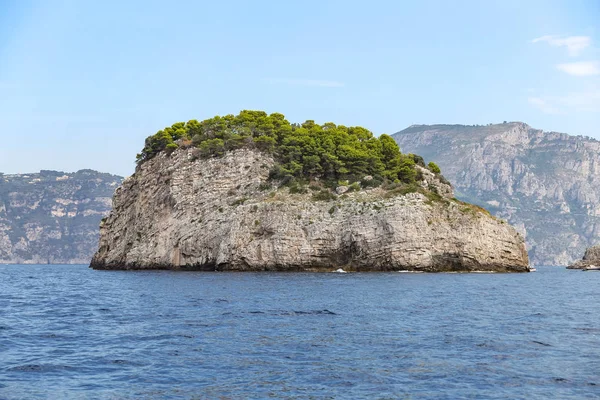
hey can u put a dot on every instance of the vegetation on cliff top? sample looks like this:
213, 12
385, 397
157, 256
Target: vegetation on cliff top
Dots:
303, 151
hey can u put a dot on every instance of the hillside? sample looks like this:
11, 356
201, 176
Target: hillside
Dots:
546, 184
53, 217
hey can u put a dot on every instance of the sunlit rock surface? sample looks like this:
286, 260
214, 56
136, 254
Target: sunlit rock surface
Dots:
177, 212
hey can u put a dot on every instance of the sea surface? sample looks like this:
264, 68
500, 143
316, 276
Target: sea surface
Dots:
68, 332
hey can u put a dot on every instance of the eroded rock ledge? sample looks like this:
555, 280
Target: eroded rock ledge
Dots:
590, 258
211, 214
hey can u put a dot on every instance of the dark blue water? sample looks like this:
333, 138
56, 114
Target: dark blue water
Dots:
71, 332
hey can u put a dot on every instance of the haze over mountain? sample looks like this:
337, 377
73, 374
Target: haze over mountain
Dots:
547, 184
53, 217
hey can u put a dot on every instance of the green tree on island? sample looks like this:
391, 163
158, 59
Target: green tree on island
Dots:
303, 152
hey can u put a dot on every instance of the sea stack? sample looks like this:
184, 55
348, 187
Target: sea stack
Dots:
252, 207
591, 259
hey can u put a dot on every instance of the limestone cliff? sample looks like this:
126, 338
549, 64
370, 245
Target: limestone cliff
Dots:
178, 212
590, 258
546, 184
52, 217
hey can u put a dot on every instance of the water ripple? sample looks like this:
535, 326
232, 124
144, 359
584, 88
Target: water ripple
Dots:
70, 332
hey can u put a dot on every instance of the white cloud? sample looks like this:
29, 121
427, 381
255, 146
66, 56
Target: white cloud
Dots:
543, 105
305, 82
582, 68
571, 102
574, 44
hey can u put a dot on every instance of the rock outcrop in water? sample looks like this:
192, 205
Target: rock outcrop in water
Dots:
52, 217
591, 258
546, 184
179, 212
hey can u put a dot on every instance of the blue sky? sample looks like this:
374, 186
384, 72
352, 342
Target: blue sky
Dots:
82, 83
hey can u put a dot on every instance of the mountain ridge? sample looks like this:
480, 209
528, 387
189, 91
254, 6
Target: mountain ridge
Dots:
52, 217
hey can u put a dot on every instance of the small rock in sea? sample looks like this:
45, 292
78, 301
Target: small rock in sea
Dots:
590, 259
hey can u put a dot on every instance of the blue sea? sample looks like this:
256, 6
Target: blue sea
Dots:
68, 332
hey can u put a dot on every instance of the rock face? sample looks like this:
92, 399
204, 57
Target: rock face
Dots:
590, 258
546, 184
176, 212
52, 217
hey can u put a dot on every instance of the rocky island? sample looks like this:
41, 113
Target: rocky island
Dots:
253, 192
591, 259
